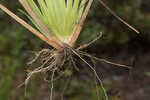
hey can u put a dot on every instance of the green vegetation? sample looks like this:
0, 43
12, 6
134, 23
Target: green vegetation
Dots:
60, 18
15, 40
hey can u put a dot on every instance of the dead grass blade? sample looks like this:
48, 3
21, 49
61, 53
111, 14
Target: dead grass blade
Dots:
38, 21
120, 19
79, 28
30, 28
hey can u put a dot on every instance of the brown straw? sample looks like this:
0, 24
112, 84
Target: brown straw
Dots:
30, 28
79, 28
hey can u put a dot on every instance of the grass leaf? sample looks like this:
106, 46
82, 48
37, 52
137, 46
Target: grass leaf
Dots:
55, 17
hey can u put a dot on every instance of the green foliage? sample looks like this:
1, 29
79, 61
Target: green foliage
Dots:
14, 40
147, 73
59, 16
6, 79
11, 56
114, 32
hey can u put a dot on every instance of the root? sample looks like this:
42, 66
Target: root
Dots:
104, 60
96, 84
50, 61
38, 70
74, 64
52, 85
100, 81
38, 55
55, 63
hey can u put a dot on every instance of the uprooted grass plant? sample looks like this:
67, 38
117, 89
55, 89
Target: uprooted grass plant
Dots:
58, 23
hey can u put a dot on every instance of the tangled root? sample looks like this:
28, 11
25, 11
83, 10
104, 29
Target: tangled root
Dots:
50, 61
54, 62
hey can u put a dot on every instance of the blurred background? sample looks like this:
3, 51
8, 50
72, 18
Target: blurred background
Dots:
119, 44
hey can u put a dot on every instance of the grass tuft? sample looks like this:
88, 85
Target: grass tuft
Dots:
60, 17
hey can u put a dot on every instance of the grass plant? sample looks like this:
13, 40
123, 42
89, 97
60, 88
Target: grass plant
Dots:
58, 23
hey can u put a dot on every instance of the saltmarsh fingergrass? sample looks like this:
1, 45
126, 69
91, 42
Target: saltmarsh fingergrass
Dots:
59, 17
58, 23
